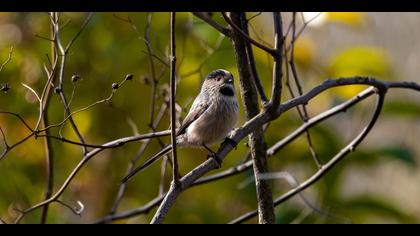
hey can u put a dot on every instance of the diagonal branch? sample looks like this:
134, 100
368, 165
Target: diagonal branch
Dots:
351, 147
271, 151
206, 18
259, 120
245, 36
115, 143
292, 136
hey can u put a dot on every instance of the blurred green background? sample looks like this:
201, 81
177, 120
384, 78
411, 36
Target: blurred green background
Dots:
379, 183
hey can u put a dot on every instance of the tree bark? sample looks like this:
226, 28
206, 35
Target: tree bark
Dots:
256, 138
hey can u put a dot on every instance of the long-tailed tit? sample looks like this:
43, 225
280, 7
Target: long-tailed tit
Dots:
211, 117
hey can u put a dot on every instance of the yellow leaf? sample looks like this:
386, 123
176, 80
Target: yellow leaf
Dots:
304, 51
349, 18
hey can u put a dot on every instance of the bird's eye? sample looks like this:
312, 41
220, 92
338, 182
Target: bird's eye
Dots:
218, 79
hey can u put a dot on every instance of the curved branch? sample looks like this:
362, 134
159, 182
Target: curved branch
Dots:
19, 117
260, 120
351, 147
279, 145
87, 157
9, 58
131, 213
206, 18
246, 37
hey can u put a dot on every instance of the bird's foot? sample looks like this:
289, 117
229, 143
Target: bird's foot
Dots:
216, 158
231, 142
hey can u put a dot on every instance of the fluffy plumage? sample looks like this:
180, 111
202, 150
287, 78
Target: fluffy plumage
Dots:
210, 119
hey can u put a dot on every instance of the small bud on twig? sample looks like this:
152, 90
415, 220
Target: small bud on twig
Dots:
57, 90
5, 87
115, 86
75, 78
129, 77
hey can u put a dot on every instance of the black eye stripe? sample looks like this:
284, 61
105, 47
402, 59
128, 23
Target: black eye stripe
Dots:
227, 91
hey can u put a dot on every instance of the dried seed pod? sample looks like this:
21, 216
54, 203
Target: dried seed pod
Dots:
75, 78
129, 77
115, 86
5, 87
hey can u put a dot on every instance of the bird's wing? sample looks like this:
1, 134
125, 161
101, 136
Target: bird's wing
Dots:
195, 112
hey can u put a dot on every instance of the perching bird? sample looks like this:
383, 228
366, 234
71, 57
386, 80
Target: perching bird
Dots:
211, 117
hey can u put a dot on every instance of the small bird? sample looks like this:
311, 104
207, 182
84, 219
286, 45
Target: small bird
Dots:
212, 116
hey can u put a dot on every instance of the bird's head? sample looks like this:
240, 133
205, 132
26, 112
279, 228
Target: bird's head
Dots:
220, 81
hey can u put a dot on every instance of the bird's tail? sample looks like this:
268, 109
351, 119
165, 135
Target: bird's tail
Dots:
147, 163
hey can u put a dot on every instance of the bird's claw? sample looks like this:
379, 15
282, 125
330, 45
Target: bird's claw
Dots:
231, 142
216, 158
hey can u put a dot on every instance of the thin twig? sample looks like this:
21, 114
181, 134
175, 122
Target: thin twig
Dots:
175, 177
115, 143
6, 146
19, 117
75, 211
304, 113
131, 165
151, 65
278, 63
9, 58
76, 36
49, 152
253, 68
105, 100
63, 54
245, 36
206, 18
131, 213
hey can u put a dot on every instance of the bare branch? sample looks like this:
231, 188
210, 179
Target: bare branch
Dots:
172, 100
9, 58
256, 139
246, 37
76, 36
292, 136
205, 17
253, 67
140, 152
325, 168
19, 117
6, 146
131, 213
11, 147
278, 63
63, 54
304, 113
75, 211
258, 121
86, 158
